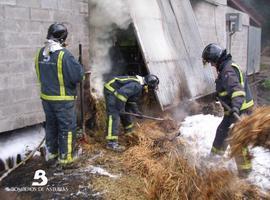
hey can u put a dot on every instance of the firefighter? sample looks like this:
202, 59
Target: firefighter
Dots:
121, 94
58, 73
233, 89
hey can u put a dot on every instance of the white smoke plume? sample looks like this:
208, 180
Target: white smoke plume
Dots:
105, 17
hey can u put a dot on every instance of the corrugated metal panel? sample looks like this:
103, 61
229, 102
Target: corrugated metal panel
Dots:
171, 45
254, 50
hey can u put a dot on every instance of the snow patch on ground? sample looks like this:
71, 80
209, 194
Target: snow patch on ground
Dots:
100, 171
20, 141
199, 131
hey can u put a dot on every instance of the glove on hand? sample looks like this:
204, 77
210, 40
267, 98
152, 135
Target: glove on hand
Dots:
235, 110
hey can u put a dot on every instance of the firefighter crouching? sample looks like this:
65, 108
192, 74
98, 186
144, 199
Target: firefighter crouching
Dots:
121, 94
58, 73
233, 89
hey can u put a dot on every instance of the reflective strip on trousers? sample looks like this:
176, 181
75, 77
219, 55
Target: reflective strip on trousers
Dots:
129, 126
247, 163
110, 136
69, 158
215, 150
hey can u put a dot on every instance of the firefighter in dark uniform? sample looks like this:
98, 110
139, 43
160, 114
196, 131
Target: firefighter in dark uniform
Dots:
233, 89
58, 73
121, 94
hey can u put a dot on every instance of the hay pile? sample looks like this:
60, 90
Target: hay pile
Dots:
167, 173
253, 130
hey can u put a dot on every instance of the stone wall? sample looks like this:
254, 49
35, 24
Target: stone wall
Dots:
23, 29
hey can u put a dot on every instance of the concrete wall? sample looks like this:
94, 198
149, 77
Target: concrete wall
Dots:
239, 41
211, 18
210, 15
23, 29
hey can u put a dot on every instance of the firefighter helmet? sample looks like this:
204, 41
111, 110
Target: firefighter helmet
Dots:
58, 32
212, 53
152, 81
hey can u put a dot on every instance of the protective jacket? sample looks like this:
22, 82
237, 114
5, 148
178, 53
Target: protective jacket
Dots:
126, 89
58, 75
232, 87
121, 94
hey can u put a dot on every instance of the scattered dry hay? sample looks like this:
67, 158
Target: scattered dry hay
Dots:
168, 125
252, 130
163, 163
97, 123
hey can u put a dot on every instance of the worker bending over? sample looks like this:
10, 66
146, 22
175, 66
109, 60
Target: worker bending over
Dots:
121, 94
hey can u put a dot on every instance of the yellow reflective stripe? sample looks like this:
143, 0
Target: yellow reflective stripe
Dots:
52, 156
37, 65
246, 166
60, 73
120, 96
238, 93
110, 136
246, 105
217, 151
247, 163
65, 161
69, 146
132, 103
110, 88
129, 126
227, 112
240, 72
57, 98
108, 85
222, 94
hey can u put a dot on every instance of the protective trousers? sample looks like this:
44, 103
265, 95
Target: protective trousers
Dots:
60, 129
114, 108
220, 144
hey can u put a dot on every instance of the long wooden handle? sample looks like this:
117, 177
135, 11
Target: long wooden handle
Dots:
229, 108
144, 116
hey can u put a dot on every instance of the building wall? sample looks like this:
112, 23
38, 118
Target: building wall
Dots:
211, 18
23, 29
210, 15
239, 41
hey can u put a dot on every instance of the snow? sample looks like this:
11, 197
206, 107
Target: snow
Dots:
100, 171
20, 141
199, 131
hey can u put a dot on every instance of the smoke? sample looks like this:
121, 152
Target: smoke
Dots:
105, 17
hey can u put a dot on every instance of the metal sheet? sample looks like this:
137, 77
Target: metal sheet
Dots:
169, 38
254, 50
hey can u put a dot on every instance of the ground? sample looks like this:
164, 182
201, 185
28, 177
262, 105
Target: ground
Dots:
103, 174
